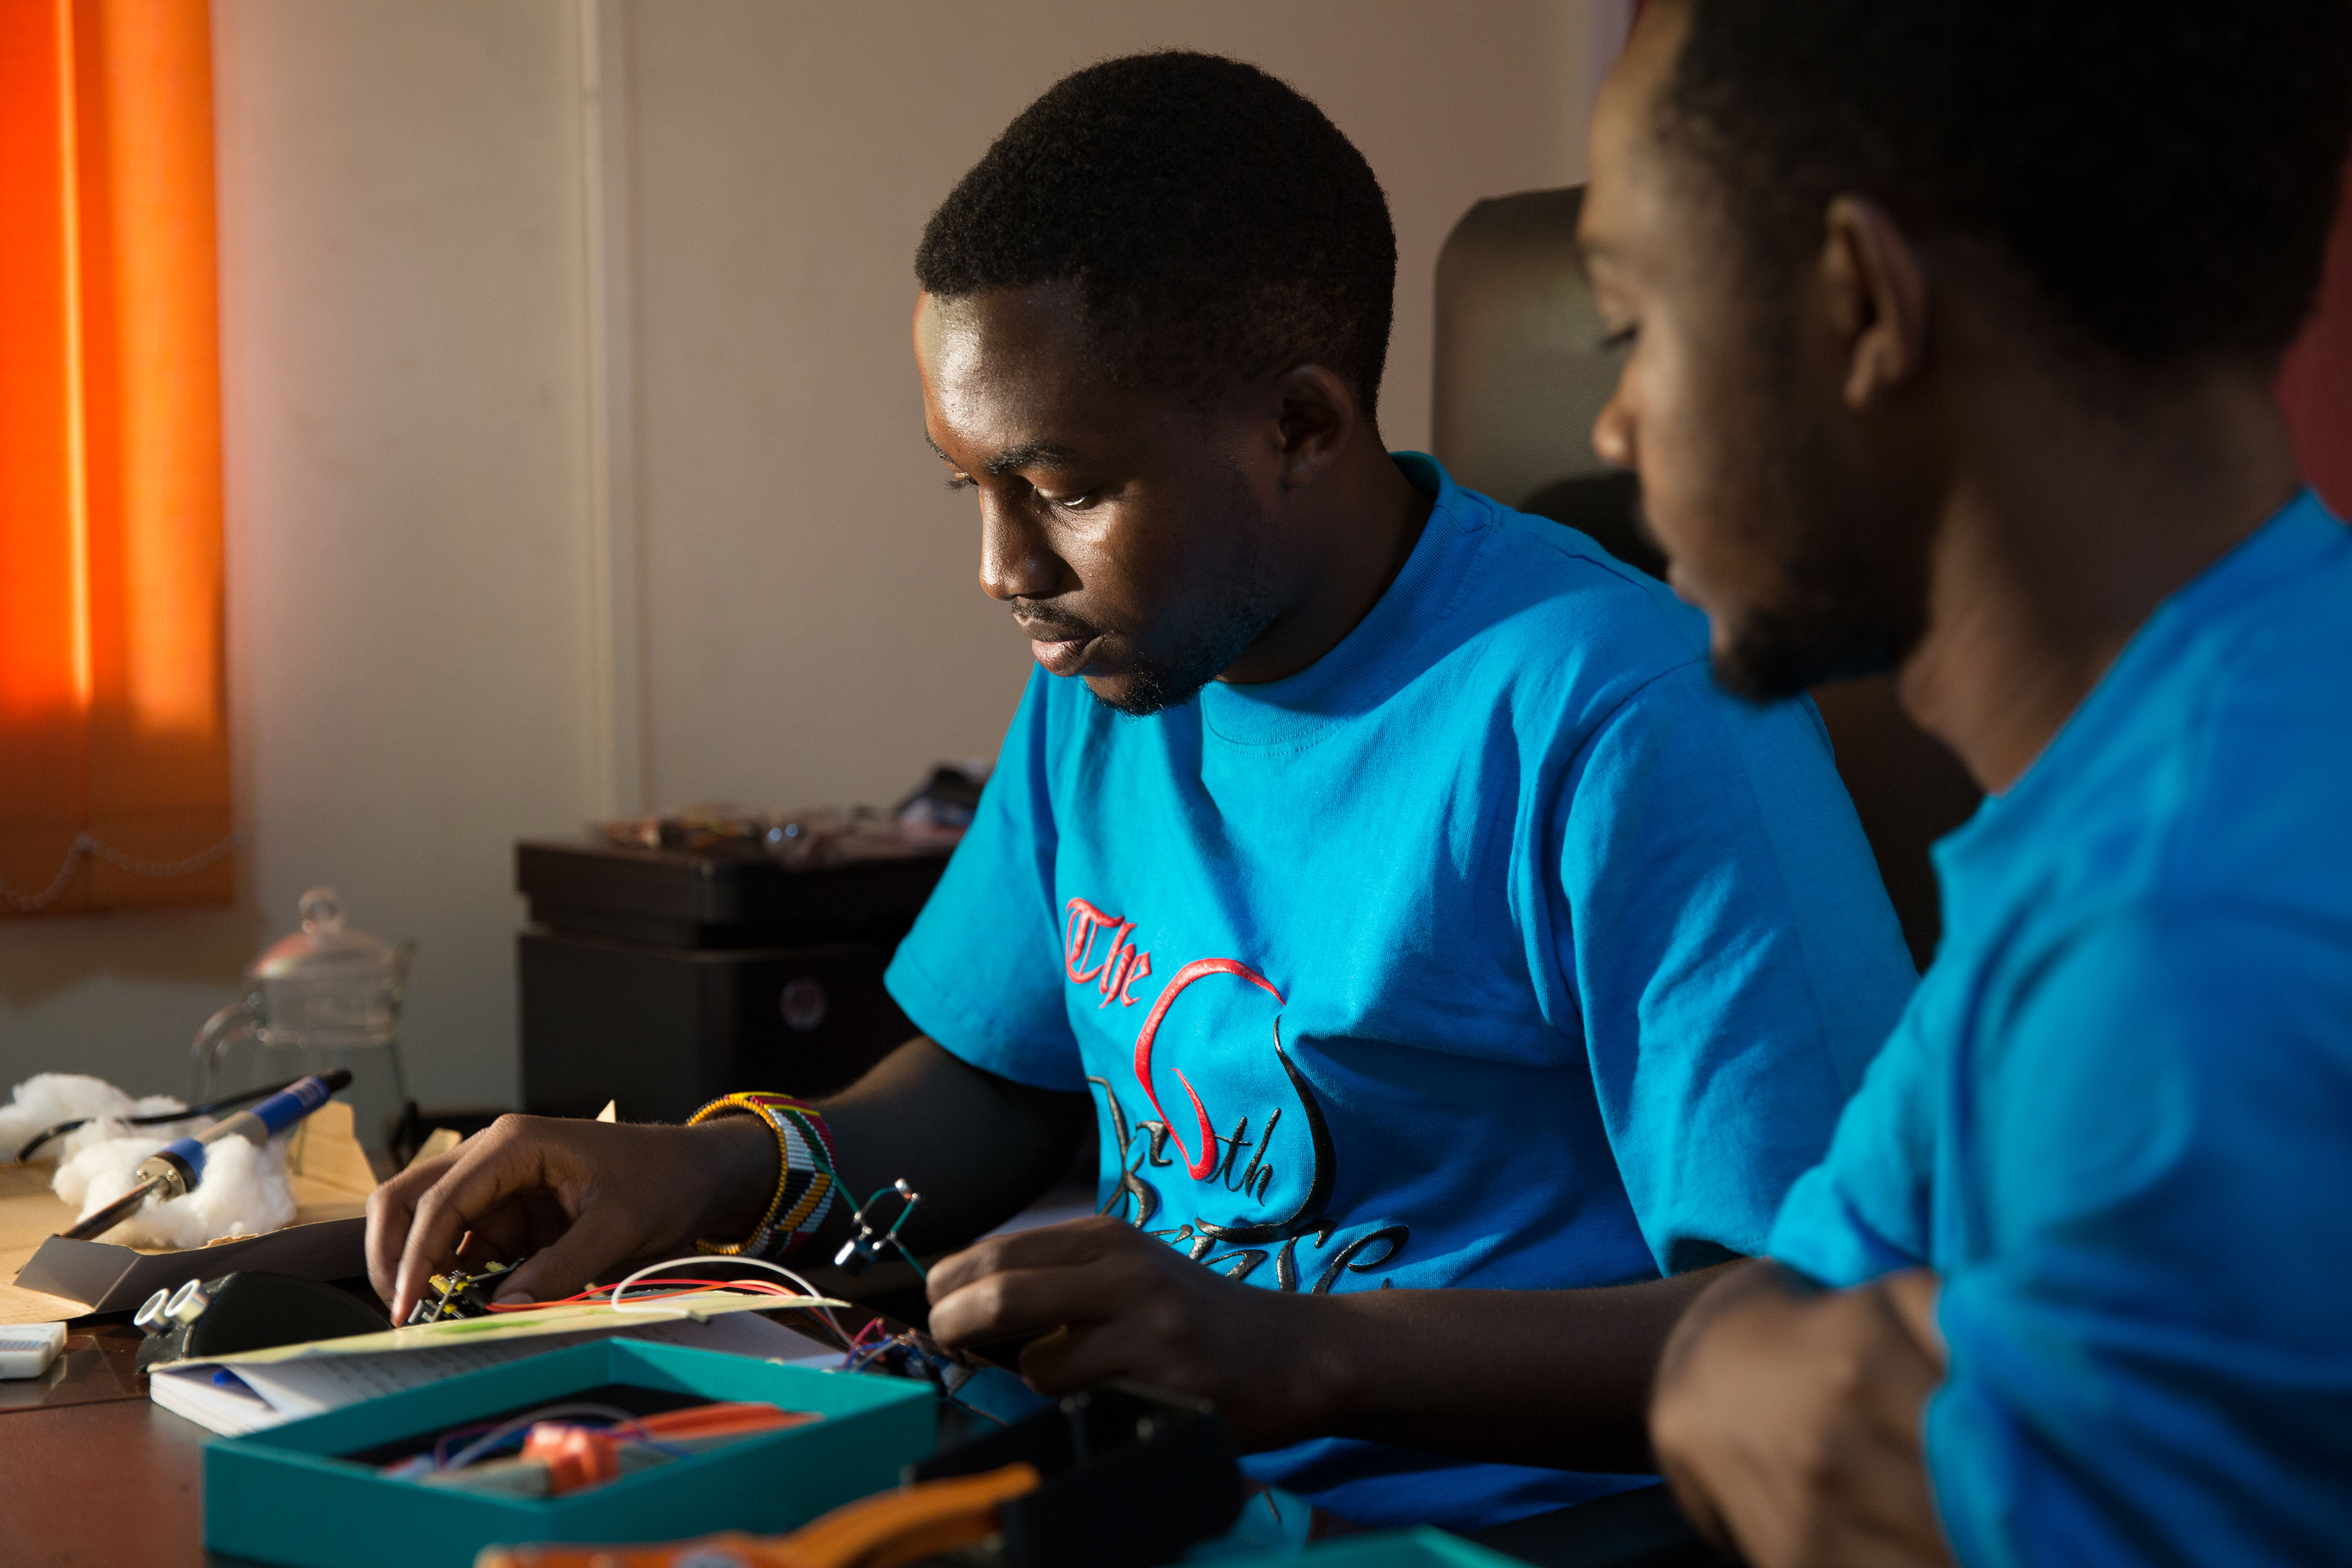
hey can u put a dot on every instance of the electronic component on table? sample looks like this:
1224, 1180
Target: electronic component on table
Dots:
1116, 1474
461, 1294
178, 1168
561, 1456
864, 1250
250, 1311
27, 1349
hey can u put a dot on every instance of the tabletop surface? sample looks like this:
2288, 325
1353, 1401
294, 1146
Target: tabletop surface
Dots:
98, 1475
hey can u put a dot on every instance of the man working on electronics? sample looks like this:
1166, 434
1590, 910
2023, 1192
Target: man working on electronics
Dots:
1379, 868
1957, 323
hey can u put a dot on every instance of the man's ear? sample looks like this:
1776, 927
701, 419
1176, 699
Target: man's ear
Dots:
1876, 294
1318, 418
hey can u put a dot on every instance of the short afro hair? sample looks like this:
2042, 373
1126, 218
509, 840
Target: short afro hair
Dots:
2164, 171
1216, 224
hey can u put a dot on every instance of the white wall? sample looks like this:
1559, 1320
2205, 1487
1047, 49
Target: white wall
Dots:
573, 444
403, 296
814, 629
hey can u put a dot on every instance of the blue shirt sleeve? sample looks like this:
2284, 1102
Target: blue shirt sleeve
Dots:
979, 974
2150, 1362
1730, 950
1865, 1210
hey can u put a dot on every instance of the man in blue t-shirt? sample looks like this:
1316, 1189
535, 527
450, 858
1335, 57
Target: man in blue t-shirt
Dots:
1958, 323
1376, 867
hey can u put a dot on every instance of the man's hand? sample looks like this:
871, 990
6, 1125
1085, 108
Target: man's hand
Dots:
581, 1197
1787, 1418
1113, 1303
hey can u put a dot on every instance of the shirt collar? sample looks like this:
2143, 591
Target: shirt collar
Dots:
2295, 540
1375, 658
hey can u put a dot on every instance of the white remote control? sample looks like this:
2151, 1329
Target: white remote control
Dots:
27, 1348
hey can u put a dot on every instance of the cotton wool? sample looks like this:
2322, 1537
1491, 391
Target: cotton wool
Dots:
244, 1192
43, 1101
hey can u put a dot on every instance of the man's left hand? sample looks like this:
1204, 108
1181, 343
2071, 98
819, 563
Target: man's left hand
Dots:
1788, 1419
1110, 1301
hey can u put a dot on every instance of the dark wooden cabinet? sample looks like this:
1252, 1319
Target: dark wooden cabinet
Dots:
662, 979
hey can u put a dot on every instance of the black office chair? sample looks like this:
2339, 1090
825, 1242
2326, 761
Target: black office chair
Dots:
1520, 378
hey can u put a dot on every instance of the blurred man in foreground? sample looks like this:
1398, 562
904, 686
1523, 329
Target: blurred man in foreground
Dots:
1953, 325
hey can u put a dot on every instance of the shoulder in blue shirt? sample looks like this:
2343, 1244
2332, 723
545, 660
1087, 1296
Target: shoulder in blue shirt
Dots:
1496, 948
2117, 1115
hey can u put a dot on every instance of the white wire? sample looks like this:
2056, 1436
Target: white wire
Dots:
705, 1261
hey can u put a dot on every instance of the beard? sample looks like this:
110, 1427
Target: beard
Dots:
1847, 594
1840, 613
1213, 637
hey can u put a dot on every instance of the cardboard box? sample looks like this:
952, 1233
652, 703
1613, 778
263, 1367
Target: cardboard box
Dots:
285, 1496
55, 1280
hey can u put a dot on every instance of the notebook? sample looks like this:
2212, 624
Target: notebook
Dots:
235, 1400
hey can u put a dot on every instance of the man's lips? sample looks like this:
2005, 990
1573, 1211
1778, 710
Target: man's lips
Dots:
1063, 656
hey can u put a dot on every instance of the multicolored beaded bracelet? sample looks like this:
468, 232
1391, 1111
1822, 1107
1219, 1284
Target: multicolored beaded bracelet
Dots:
805, 1178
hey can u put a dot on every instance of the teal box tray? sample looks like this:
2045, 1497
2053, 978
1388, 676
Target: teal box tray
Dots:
283, 1496
1421, 1548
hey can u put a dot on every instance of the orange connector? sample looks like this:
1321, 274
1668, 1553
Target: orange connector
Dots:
559, 1456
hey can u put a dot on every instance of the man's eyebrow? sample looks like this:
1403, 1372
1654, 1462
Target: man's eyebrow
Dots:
1028, 454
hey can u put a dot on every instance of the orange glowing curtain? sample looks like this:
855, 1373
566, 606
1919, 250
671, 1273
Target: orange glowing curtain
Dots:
113, 736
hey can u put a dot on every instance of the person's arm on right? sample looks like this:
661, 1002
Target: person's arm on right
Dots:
2146, 1365
581, 1198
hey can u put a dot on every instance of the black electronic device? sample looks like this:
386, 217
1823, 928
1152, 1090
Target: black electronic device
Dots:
248, 1311
1132, 1478
663, 978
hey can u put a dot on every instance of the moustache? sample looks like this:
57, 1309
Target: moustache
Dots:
1042, 627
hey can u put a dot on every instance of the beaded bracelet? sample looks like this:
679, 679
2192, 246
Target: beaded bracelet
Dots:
805, 1178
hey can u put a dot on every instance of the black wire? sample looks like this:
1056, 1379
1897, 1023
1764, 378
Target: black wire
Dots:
24, 1155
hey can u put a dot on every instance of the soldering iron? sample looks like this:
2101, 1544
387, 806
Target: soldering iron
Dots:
175, 1169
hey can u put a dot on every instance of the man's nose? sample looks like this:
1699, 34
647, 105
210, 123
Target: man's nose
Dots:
1014, 563
1612, 431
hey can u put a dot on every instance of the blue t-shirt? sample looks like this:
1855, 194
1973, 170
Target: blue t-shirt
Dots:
2117, 1115
1496, 948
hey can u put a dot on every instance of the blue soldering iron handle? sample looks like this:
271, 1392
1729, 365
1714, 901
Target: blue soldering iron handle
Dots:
260, 1123
181, 1161
298, 1099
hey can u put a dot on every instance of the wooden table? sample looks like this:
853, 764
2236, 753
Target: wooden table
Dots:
97, 1476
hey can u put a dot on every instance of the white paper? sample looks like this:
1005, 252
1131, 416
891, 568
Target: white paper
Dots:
290, 1390
220, 1404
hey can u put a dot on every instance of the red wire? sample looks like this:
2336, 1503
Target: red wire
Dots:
757, 1286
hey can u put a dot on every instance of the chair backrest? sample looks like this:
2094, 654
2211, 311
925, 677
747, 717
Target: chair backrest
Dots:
1521, 375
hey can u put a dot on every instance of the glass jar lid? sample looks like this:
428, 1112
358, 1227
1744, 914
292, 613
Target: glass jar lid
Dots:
325, 948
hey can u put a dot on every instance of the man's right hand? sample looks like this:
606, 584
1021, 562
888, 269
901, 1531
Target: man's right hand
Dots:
580, 1198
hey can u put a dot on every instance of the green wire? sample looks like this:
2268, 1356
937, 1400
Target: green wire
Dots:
891, 1234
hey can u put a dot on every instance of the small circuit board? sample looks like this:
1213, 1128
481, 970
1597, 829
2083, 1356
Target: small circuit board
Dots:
460, 1294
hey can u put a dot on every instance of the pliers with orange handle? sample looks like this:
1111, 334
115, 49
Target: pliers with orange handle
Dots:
880, 1532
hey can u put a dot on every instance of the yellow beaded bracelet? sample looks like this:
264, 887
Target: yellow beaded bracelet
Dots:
805, 1178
